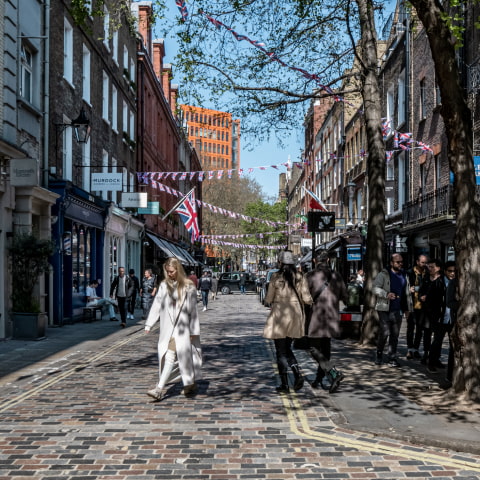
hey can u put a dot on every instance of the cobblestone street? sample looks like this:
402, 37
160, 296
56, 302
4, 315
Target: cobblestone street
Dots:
85, 414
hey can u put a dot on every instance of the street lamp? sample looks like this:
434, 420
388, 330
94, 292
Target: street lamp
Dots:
81, 127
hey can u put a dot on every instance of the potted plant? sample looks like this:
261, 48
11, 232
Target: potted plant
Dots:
29, 258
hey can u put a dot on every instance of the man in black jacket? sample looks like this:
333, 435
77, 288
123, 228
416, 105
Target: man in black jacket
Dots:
415, 318
120, 290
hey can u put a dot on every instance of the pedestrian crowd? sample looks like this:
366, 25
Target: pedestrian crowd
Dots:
304, 305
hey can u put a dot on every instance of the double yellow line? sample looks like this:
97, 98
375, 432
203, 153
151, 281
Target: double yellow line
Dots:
71, 371
299, 425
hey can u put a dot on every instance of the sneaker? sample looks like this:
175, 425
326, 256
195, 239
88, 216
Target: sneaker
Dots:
204, 309
113, 319
393, 363
432, 369
156, 393
409, 355
123, 325
416, 354
335, 378
378, 358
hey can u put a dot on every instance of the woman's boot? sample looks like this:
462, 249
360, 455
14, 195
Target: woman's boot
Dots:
298, 377
283, 387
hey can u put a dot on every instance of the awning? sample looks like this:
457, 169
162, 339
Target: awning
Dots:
186, 253
320, 248
170, 249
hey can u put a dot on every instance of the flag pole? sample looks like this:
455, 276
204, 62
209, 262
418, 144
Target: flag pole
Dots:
177, 204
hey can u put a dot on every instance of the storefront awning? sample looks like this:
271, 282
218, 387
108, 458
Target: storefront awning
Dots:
324, 247
170, 249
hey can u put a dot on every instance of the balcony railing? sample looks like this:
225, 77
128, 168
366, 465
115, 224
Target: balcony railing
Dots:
436, 204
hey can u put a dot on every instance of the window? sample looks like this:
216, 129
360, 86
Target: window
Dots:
132, 70
390, 171
86, 74
390, 109
125, 117
401, 180
86, 161
105, 97
401, 98
438, 96
115, 46
26, 74
106, 27
125, 59
114, 109
438, 172
131, 129
67, 51
422, 106
67, 152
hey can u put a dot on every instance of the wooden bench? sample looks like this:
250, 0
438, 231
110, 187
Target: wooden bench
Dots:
92, 313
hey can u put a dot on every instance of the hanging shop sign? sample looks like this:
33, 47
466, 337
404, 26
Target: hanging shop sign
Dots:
24, 172
153, 208
112, 182
134, 200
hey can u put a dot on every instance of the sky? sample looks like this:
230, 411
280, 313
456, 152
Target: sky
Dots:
264, 154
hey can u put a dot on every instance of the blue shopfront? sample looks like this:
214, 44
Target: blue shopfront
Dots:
78, 233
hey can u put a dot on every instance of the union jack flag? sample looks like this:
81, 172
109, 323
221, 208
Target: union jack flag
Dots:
187, 210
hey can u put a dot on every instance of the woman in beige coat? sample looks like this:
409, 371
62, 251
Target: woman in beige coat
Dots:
287, 294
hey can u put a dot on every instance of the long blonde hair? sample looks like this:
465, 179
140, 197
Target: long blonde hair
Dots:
182, 280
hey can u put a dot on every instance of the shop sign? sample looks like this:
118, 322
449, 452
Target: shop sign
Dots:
24, 172
295, 238
111, 182
153, 208
135, 200
354, 253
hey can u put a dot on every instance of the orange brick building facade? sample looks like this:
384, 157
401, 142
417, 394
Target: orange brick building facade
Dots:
215, 136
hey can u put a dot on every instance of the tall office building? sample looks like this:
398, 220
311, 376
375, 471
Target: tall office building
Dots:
215, 136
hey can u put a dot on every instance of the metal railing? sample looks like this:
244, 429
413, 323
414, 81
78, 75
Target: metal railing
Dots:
438, 203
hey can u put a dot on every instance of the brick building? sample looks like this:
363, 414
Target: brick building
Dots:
215, 136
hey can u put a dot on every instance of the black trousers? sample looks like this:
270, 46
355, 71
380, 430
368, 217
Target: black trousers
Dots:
320, 350
122, 308
415, 327
285, 356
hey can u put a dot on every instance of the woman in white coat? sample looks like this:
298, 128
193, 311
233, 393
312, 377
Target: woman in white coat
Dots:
175, 306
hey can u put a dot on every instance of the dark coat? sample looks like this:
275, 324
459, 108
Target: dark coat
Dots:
128, 286
324, 321
434, 304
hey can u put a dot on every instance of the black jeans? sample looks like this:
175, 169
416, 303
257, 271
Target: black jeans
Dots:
122, 308
285, 356
414, 329
131, 303
320, 350
439, 332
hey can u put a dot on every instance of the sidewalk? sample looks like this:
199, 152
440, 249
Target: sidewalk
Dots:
401, 403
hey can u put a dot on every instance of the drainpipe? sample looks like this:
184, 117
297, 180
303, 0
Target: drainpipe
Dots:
46, 93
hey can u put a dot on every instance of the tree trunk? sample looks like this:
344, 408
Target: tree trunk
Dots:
458, 126
372, 102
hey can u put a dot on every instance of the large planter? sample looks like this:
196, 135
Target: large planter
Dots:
29, 326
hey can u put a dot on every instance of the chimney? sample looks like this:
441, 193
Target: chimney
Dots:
158, 54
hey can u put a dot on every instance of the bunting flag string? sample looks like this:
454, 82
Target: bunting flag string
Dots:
222, 211
402, 141
243, 245
244, 235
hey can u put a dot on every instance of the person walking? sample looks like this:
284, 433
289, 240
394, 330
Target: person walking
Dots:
287, 294
452, 304
193, 278
415, 319
327, 288
393, 298
242, 283
119, 290
148, 291
432, 294
205, 285
214, 287
132, 294
175, 307
95, 301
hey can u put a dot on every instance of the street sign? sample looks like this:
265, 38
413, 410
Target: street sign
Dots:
295, 238
321, 221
